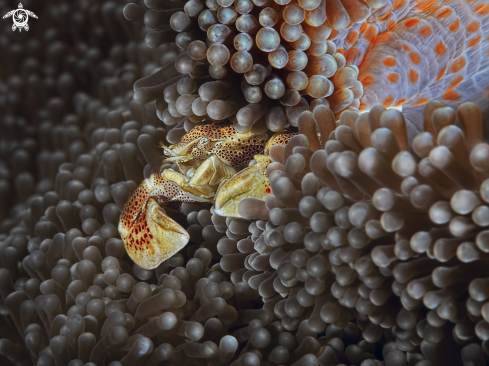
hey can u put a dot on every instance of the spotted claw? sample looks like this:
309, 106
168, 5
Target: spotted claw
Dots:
153, 236
251, 182
201, 184
149, 235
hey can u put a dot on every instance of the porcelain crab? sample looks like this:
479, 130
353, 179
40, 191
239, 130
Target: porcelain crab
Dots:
213, 166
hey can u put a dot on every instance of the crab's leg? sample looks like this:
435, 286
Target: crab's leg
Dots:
149, 235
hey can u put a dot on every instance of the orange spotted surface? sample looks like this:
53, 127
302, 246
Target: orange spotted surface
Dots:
411, 51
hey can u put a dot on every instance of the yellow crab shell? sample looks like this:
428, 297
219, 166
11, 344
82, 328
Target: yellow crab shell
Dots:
222, 140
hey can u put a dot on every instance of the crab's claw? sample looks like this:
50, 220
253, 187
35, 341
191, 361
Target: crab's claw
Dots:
149, 234
204, 181
154, 237
251, 182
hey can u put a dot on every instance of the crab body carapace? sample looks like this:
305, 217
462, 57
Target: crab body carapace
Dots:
210, 160
220, 140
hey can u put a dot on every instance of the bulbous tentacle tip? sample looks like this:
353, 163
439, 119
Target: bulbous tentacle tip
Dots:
251, 182
153, 237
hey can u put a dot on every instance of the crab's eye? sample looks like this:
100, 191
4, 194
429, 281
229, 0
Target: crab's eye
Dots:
167, 152
203, 143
